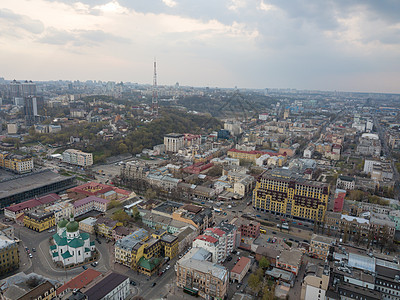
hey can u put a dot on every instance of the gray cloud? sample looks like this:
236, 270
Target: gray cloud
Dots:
21, 21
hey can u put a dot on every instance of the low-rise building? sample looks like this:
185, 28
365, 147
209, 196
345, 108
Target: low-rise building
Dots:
78, 282
320, 246
240, 269
200, 277
9, 255
44, 291
105, 227
112, 286
39, 220
290, 260
346, 183
62, 210
88, 225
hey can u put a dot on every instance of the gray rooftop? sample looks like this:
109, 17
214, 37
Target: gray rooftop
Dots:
202, 266
129, 242
28, 182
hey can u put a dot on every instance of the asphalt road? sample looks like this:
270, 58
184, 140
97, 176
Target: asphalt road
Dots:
42, 264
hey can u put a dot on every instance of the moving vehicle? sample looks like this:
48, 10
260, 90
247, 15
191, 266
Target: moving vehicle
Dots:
263, 231
154, 284
84, 267
94, 264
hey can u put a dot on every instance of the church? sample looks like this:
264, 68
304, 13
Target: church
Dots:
71, 246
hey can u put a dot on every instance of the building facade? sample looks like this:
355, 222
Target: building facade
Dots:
320, 246
9, 255
285, 193
17, 163
77, 157
39, 220
173, 142
200, 277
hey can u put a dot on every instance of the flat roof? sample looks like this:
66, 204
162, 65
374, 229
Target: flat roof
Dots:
24, 183
105, 286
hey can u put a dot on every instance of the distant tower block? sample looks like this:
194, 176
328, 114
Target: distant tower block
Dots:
154, 100
286, 113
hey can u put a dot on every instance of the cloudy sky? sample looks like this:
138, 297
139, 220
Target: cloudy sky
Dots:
345, 45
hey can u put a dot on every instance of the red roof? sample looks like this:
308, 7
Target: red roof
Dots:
33, 203
121, 191
216, 231
207, 238
240, 265
92, 188
80, 280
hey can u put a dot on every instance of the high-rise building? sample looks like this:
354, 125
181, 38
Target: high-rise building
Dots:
285, 193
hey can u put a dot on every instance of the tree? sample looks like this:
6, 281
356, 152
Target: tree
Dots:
264, 263
254, 282
121, 216
150, 194
269, 291
136, 214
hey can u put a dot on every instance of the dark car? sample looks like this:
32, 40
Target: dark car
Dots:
154, 284
84, 267
133, 283
94, 264
229, 258
33, 249
98, 241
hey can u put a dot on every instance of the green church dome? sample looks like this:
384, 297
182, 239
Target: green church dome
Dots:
62, 223
72, 226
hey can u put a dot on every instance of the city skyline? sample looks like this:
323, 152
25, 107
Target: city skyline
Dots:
248, 44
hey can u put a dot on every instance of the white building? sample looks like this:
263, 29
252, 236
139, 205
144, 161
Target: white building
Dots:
212, 245
173, 142
71, 246
316, 283
61, 210
308, 152
77, 157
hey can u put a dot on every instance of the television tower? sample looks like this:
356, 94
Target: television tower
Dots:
154, 100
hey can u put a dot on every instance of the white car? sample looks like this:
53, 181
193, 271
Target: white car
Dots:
30, 255
168, 267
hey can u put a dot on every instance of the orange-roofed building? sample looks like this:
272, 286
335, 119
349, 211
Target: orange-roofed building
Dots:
78, 282
240, 269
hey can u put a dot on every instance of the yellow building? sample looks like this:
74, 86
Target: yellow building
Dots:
145, 253
105, 226
245, 155
285, 193
16, 163
9, 255
39, 220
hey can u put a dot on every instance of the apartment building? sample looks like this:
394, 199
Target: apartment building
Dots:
9, 255
200, 277
17, 163
248, 228
285, 193
77, 157
105, 227
315, 283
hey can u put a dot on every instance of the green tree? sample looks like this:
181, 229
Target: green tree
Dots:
136, 214
121, 216
254, 282
264, 263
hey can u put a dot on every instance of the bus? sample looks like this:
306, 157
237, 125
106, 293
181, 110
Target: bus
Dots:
263, 231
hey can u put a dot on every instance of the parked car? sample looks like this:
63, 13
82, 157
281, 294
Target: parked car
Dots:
154, 284
84, 267
229, 258
33, 249
94, 264
258, 216
30, 255
133, 283
161, 272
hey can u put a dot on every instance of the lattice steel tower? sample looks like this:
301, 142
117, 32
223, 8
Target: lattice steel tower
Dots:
154, 100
